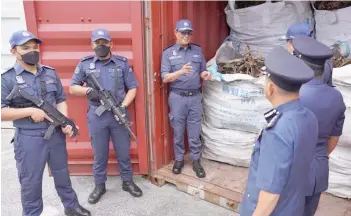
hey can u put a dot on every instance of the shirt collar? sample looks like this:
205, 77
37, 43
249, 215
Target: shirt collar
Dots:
289, 105
112, 58
178, 47
19, 69
316, 81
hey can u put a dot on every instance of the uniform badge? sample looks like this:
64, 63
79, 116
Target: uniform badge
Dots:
196, 55
20, 80
25, 34
111, 70
174, 52
77, 70
92, 66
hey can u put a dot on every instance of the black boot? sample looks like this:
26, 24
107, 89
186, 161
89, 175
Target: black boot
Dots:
79, 211
200, 172
132, 188
98, 191
177, 167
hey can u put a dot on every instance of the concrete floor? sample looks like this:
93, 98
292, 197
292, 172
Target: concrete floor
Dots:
157, 201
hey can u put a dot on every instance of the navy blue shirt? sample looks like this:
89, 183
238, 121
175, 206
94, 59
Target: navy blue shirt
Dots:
115, 74
328, 106
280, 160
175, 57
30, 82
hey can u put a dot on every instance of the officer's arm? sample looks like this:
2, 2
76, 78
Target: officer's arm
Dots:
77, 81
131, 84
166, 74
266, 203
337, 131
203, 64
276, 155
10, 114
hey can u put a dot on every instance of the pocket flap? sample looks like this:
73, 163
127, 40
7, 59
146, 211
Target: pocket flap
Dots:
177, 61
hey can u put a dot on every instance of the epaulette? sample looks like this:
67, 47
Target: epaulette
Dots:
7, 70
272, 117
87, 57
45, 66
168, 47
121, 58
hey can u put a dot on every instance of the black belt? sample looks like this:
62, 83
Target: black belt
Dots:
186, 93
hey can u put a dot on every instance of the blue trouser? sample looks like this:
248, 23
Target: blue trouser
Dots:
101, 128
311, 204
32, 153
186, 110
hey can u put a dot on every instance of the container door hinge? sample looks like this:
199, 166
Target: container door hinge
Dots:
147, 22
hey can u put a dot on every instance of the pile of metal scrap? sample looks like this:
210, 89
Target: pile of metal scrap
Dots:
338, 60
250, 3
247, 64
331, 5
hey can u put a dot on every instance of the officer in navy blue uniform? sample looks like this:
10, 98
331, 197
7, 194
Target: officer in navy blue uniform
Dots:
115, 74
32, 152
305, 29
284, 148
328, 106
183, 64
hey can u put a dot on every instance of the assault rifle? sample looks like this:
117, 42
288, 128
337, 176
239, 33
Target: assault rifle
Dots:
58, 119
109, 103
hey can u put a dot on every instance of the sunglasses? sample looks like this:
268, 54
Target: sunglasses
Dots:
186, 33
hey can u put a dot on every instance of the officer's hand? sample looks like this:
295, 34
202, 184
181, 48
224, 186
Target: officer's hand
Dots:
206, 75
186, 69
68, 130
93, 95
38, 115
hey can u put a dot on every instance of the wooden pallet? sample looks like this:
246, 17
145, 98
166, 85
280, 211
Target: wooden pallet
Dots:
224, 185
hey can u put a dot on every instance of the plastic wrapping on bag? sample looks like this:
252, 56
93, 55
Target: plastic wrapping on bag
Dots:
262, 26
227, 146
342, 82
237, 105
340, 172
333, 27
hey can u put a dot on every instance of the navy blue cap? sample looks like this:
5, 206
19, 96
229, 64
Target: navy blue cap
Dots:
298, 29
311, 50
21, 37
286, 70
100, 34
184, 25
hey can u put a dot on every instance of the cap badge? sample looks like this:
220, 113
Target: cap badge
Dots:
100, 32
186, 24
25, 34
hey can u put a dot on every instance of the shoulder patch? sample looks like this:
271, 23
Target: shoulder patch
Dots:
77, 70
45, 66
121, 58
87, 57
168, 47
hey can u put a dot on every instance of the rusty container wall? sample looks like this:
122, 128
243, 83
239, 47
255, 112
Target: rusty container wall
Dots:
65, 28
210, 29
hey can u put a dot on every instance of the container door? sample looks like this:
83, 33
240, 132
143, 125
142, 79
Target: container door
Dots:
65, 28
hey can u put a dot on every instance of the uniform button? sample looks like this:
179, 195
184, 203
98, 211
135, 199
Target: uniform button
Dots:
42, 133
248, 195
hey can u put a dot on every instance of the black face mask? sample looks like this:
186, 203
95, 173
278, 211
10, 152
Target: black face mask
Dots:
102, 50
31, 58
